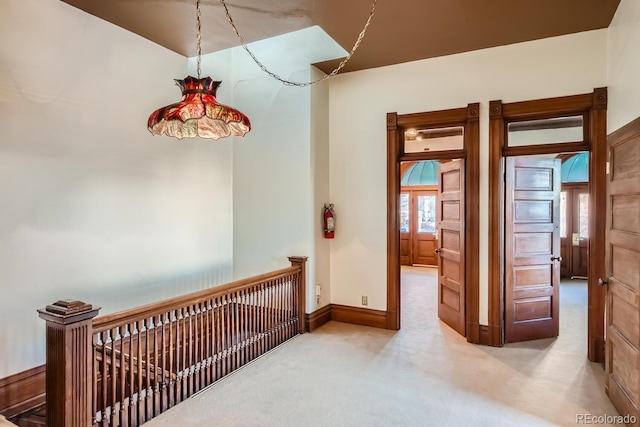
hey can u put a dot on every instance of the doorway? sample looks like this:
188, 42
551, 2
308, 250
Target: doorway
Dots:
545, 261
430, 136
574, 231
418, 193
432, 230
418, 227
549, 126
574, 216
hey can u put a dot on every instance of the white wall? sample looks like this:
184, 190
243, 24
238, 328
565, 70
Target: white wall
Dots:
93, 206
320, 181
624, 65
274, 186
359, 102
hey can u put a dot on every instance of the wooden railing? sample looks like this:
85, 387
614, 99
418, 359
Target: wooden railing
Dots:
126, 368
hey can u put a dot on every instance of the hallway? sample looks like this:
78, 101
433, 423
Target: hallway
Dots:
422, 375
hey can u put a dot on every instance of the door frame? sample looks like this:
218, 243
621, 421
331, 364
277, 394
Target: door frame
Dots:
593, 107
412, 191
469, 118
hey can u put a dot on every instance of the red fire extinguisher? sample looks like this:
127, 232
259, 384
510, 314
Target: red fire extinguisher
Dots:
329, 221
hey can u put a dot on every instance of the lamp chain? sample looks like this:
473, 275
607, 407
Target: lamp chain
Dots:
199, 35
275, 76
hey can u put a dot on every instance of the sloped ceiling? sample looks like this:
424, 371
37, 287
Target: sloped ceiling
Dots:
401, 30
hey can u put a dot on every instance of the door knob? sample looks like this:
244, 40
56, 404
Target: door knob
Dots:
437, 251
556, 258
602, 282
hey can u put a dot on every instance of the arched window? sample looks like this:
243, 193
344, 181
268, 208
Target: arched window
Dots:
576, 168
421, 173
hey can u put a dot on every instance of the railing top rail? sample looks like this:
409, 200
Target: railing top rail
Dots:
103, 323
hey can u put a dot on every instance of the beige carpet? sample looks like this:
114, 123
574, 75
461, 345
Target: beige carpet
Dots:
423, 375
5, 423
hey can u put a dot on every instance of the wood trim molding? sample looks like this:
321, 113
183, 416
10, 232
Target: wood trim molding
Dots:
359, 316
432, 119
392, 121
467, 117
346, 314
433, 155
593, 107
496, 219
394, 148
600, 99
22, 392
484, 334
532, 150
408, 188
318, 318
472, 217
548, 107
597, 229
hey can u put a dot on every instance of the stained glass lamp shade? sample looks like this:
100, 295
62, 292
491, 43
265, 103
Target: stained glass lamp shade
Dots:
198, 114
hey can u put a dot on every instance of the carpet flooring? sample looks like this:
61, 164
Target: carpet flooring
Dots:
423, 375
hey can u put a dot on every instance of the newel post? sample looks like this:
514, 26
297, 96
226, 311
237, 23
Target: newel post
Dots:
69, 362
302, 295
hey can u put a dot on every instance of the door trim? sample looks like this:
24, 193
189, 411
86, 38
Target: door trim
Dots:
594, 108
469, 118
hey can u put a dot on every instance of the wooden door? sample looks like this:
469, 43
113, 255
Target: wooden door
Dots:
450, 217
580, 232
532, 248
424, 227
622, 354
574, 230
405, 228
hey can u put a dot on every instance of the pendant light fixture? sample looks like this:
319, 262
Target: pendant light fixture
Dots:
198, 113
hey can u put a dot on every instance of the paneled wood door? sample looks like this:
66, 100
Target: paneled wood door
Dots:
574, 232
532, 248
623, 260
451, 235
424, 227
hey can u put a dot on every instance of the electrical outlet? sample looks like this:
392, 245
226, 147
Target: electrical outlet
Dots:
318, 289
365, 300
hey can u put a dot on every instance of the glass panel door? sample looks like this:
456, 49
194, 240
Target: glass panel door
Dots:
563, 214
405, 228
583, 218
424, 236
405, 214
426, 214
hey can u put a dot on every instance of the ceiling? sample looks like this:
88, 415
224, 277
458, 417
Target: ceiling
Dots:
401, 30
